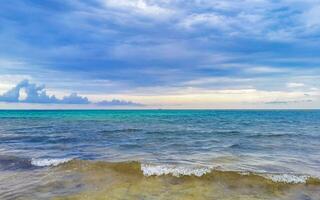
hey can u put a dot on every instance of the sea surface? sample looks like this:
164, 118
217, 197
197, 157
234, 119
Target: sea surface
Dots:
160, 154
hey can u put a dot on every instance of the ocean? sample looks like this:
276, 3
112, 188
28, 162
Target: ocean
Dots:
160, 154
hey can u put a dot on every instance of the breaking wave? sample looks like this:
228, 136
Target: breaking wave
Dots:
177, 171
147, 169
157, 170
44, 162
287, 178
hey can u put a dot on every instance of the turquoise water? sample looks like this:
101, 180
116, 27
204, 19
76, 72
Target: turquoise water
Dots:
271, 142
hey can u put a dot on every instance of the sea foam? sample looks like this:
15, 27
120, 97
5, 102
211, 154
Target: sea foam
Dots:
158, 170
287, 178
173, 170
44, 162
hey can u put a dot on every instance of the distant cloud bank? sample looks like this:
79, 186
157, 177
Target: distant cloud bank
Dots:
26, 92
288, 102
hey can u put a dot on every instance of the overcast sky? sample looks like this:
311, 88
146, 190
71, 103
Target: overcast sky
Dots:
160, 53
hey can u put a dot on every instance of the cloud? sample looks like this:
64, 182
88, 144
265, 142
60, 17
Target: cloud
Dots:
115, 47
74, 99
164, 51
219, 81
9, 63
311, 18
289, 102
208, 20
26, 92
116, 102
139, 7
295, 85
266, 69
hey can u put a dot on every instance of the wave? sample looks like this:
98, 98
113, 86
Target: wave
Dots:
273, 135
45, 162
288, 178
127, 130
151, 170
8, 162
158, 170
179, 171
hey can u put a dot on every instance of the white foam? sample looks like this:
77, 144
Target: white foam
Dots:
174, 170
158, 170
287, 178
43, 162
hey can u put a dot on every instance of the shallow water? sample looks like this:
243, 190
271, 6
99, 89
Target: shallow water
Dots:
177, 154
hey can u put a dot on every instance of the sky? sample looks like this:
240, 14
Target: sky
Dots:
201, 54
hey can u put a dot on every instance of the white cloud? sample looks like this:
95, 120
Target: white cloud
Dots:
7, 81
167, 51
295, 85
9, 63
140, 7
265, 69
25, 92
206, 20
249, 18
189, 97
217, 80
312, 16
23, 95
314, 89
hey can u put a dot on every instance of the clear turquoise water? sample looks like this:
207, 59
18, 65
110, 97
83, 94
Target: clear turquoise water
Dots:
281, 142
